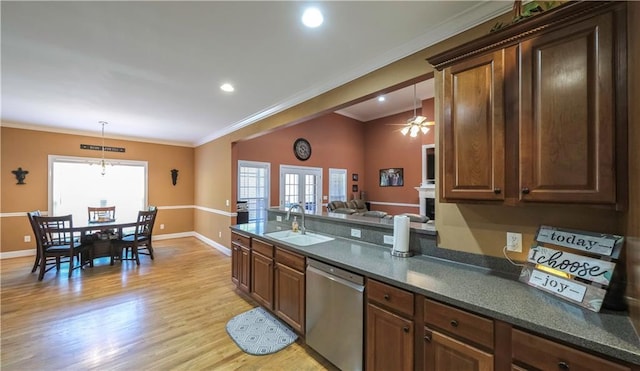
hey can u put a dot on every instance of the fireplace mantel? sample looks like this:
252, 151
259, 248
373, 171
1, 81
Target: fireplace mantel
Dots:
425, 191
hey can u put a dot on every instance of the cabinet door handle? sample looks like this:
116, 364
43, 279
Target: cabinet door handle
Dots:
386, 297
525, 191
405, 329
497, 191
454, 323
427, 336
563, 365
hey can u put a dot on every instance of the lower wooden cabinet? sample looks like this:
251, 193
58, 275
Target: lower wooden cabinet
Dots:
442, 352
289, 298
262, 273
532, 352
390, 344
455, 339
240, 261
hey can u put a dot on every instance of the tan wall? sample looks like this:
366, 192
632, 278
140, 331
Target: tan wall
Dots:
29, 149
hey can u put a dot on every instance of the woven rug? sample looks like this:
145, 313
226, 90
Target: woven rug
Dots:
257, 332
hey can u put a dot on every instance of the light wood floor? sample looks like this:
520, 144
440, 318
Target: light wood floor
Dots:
166, 314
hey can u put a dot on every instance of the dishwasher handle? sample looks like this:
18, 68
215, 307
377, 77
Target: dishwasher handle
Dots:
342, 281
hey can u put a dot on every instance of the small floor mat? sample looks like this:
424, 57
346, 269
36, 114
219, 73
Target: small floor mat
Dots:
257, 332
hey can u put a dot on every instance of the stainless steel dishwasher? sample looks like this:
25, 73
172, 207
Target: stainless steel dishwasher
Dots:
335, 307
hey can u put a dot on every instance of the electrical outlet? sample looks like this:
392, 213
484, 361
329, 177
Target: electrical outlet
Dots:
388, 240
219, 234
514, 241
27, 238
161, 226
356, 233
278, 218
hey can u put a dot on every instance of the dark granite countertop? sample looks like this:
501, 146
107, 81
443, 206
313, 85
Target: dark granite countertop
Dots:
477, 290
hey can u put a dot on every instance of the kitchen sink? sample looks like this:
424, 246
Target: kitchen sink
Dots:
299, 239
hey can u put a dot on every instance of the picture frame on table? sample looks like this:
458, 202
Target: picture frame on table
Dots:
392, 177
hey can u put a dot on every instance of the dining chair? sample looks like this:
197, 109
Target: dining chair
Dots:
101, 214
141, 238
31, 215
56, 240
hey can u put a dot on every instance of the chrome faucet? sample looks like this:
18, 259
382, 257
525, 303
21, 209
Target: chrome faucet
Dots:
303, 229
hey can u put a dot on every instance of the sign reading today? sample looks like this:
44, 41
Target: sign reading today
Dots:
596, 244
594, 270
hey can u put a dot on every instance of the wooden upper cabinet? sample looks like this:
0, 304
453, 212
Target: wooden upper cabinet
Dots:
472, 146
567, 116
536, 112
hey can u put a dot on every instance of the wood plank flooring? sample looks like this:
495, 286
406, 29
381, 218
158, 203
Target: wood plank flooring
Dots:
166, 314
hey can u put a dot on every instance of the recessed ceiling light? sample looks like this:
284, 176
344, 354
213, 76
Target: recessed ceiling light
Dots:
381, 98
312, 17
227, 87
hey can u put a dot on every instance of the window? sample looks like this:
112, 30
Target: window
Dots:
75, 183
337, 185
253, 187
300, 184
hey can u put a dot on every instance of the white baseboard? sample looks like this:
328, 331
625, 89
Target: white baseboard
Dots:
223, 249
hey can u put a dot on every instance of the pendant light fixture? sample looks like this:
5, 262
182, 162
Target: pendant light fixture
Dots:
417, 123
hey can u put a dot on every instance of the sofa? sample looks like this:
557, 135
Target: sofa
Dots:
347, 207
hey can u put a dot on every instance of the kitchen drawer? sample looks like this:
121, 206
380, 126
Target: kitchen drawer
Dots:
544, 354
240, 239
290, 259
263, 248
391, 297
458, 322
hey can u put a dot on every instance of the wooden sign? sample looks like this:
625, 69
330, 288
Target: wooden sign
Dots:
99, 148
594, 243
587, 296
567, 274
595, 270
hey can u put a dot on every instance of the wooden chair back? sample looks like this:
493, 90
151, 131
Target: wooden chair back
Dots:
102, 214
53, 231
144, 227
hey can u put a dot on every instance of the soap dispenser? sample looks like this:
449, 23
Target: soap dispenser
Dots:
294, 224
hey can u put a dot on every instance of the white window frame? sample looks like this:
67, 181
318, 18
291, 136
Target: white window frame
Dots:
333, 172
94, 161
302, 170
267, 167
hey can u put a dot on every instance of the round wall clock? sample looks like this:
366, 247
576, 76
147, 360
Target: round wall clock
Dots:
302, 149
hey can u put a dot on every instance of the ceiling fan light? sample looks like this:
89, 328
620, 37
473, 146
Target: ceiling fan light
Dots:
424, 129
414, 130
413, 134
405, 130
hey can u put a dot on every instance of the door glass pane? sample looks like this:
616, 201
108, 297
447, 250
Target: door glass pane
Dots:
253, 188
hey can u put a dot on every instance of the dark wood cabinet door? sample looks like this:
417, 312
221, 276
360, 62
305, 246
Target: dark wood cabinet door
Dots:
244, 269
442, 352
262, 279
235, 264
389, 340
289, 296
472, 142
567, 118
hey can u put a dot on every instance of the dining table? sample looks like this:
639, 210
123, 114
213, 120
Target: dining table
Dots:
100, 234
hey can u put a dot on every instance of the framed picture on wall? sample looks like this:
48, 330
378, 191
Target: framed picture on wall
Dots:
354, 188
354, 177
391, 177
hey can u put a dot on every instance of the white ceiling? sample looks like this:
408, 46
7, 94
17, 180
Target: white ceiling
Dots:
152, 69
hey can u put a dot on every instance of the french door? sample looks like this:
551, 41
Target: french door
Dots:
300, 184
